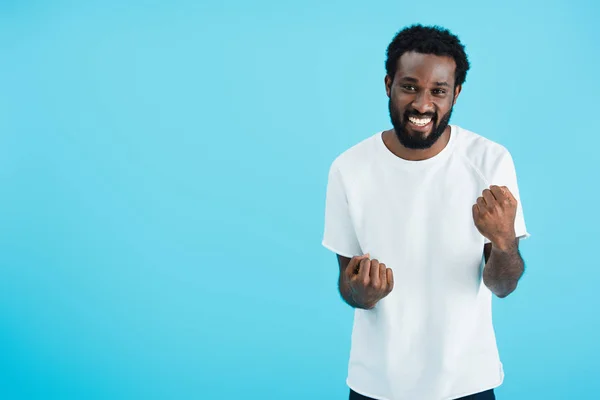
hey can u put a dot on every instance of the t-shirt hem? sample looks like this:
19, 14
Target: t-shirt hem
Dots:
337, 250
475, 391
368, 394
451, 397
482, 388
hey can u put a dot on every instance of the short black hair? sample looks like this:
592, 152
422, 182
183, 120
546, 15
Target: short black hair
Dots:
428, 40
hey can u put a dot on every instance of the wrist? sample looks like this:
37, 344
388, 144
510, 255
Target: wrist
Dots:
505, 244
365, 305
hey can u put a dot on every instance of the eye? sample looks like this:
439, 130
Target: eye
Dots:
410, 88
439, 91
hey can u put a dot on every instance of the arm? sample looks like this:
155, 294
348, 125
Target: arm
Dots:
503, 268
362, 281
494, 215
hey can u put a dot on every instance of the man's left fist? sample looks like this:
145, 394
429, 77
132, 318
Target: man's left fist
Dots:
494, 215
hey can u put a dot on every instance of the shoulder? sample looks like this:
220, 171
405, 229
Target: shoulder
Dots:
353, 160
482, 153
477, 147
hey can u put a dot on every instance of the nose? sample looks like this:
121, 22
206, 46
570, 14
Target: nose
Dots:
423, 103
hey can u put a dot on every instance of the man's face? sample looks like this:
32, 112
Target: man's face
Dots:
421, 95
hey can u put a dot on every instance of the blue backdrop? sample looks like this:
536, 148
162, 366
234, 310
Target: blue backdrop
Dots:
162, 179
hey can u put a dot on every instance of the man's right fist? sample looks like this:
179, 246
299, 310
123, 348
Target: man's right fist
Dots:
369, 280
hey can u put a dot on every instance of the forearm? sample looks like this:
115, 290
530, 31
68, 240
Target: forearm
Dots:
503, 269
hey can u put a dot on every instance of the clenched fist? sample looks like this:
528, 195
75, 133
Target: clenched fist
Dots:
494, 215
369, 280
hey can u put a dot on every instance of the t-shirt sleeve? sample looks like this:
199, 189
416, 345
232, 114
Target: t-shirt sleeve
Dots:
339, 234
505, 175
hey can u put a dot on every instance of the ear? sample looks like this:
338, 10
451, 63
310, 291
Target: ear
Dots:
388, 85
457, 90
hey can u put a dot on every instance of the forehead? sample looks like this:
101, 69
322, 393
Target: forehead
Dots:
426, 67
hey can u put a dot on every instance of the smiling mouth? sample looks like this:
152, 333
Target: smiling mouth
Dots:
423, 121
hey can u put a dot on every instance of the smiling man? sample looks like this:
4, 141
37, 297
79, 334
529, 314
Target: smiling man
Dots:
425, 219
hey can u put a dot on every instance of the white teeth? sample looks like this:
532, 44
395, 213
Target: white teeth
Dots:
419, 121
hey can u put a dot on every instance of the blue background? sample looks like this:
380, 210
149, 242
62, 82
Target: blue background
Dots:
162, 178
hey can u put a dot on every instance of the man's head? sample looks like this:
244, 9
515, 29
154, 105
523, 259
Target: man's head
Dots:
426, 68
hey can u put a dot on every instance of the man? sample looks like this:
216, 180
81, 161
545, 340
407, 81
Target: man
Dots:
425, 220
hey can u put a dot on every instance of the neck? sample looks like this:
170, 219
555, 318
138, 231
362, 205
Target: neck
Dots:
393, 144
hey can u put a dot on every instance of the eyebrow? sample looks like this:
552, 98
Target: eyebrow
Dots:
409, 79
414, 80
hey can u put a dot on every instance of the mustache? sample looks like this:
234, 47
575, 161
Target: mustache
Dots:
417, 114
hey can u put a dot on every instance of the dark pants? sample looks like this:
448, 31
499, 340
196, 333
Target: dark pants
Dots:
487, 395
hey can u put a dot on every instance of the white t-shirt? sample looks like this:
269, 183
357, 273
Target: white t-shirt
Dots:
432, 337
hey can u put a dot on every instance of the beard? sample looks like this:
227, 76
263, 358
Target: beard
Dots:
418, 140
